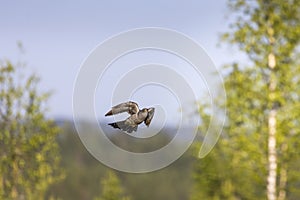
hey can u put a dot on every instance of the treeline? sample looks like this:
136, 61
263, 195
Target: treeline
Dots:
84, 175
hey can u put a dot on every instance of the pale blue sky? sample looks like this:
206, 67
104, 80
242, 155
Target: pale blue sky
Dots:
59, 35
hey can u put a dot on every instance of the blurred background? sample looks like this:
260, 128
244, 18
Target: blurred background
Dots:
255, 46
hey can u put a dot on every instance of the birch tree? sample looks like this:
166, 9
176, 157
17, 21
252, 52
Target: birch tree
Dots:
263, 102
269, 32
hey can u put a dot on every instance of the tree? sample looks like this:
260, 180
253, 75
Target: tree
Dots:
263, 100
111, 188
29, 157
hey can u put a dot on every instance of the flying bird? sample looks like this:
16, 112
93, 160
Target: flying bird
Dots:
136, 117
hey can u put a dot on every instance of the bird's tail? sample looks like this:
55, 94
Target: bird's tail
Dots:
116, 124
123, 126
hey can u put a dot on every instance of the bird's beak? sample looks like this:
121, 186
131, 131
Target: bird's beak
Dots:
150, 110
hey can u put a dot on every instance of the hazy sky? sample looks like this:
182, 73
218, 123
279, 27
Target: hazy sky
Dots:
58, 35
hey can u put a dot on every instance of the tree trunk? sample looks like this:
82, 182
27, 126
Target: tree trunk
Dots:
272, 154
282, 183
283, 176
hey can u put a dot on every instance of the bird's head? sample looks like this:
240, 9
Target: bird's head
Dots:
150, 114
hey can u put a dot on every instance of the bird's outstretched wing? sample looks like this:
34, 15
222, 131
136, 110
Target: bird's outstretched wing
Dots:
149, 116
130, 107
125, 126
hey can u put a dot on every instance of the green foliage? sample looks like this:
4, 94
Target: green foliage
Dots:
111, 188
29, 159
237, 166
83, 171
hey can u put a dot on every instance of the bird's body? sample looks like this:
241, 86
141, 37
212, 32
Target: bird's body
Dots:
136, 117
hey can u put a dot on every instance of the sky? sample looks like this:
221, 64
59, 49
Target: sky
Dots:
57, 36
